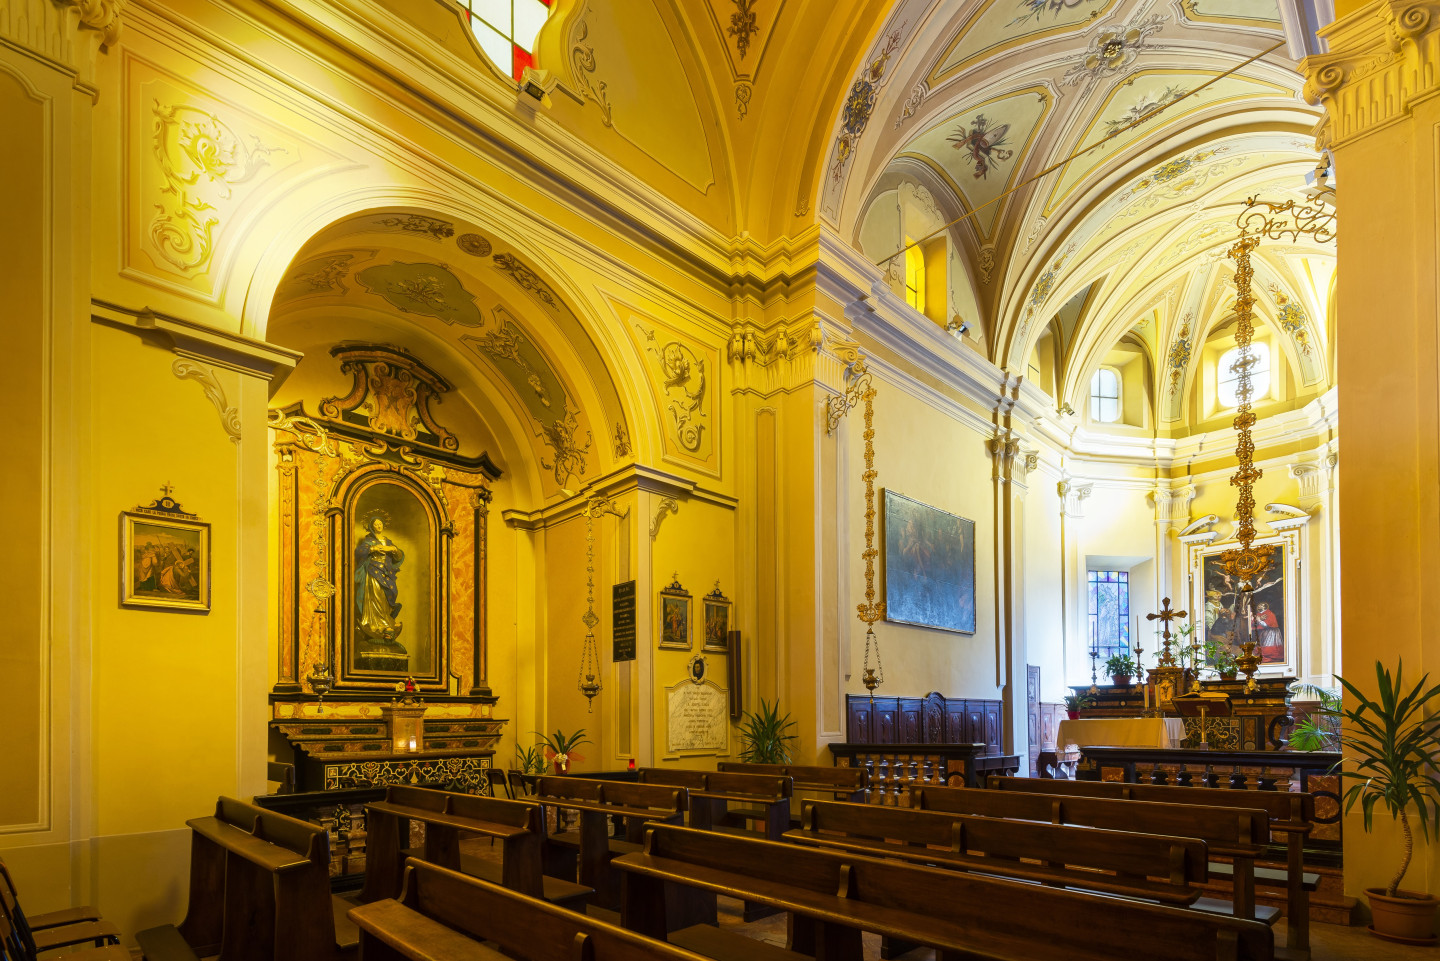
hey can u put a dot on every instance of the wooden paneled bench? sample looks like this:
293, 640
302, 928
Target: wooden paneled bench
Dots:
833, 897
450, 817
766, 797
1292, 815
1144, 866
259, 891
585, 854
841, 783
442, 914
1238, 833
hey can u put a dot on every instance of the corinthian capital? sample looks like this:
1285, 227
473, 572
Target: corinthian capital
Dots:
1013, 460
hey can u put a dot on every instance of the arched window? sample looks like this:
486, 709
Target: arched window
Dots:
1105, 396
915, 277
1227, 377
506, 30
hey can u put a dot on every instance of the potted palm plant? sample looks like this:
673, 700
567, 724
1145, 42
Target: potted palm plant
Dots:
1075, 703
560, 748
765, 736
1121, 667
1390, 745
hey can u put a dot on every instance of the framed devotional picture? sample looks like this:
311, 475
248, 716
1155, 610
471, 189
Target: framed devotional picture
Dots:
717, 621
1215, 603
164, 558
675, 617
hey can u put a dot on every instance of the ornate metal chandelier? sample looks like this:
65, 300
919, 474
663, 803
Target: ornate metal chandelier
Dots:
862, 390
589, 681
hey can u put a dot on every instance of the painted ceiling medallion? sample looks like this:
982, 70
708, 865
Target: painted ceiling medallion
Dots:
1037, 9
473, 244
428, 289
1113, 49
982, 145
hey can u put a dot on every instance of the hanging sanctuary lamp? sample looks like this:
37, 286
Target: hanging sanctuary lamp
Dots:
862, 390
589, 680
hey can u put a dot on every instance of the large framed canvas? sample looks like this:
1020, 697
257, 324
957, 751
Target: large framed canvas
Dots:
927, 565
1215, 609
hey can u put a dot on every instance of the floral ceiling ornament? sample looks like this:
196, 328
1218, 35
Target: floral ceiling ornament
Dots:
743, 26
327, 273
525, 277
859, 104
912, 103
569, 456
201, 160
1113, 49
418, 224
743, 92
1044, 286
505, 344
1177, 179
473, 244
431, 290
582, 58
1147, 104
1292, 318
1035, 9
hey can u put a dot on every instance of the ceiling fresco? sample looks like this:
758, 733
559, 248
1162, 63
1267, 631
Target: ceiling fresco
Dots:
1113, 143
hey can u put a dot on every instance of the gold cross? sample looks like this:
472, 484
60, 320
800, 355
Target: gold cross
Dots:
166, 489
1166, 615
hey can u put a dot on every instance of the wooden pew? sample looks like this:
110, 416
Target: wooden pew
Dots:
1291, 814
1238, 833
842, 783
1144, 866
589, 850
444, 914
766, 796
24, 942
13, 948
449, 816
833, 897
259, 891
50, 919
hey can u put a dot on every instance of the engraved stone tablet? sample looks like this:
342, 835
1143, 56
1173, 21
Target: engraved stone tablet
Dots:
697, 717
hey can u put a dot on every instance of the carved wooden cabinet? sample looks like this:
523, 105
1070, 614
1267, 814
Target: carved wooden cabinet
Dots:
932, 719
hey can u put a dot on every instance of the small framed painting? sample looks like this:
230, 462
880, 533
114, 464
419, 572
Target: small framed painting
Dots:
717, 621
164, 558
675, 617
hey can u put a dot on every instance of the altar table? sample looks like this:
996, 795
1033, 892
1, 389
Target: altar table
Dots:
1162, 732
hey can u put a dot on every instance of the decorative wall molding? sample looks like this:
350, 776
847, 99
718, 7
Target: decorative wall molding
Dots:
1013, 460
205, 377
1172, 505
1073, 497
1285, 517
217, 348
102, 16
1383, 57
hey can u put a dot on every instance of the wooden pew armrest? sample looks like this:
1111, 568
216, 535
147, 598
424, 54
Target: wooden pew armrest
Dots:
54, 919
266, 854
52, 938
417, 936
489, 829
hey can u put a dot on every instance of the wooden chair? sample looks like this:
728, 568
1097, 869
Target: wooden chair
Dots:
1291, 814
444, 914
12, 948
834, 897
26, 943
50, 919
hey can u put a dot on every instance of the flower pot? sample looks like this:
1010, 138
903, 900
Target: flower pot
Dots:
1227, 675
1121, 680
560, 766
1409, 917
1073, 715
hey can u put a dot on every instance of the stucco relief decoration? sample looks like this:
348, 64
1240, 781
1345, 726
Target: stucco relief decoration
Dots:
1292, 319
391, 394
1179, 357
912, 103
582, 61
982, 145
418, 225
683, 381
229, 416
1178, 179
100, 15
1113, 49
987, 262
1148, 103
1037, 9
427, 289
473, 244
743, 25
525, 277
327, 273
859, 104
1042, 289
568, 455
743, 92
201, 161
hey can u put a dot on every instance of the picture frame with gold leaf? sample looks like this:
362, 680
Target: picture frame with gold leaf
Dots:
164, 558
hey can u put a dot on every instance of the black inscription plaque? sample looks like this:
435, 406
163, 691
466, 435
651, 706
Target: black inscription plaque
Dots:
622, 609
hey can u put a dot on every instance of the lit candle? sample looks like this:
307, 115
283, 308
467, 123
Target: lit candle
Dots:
413, 748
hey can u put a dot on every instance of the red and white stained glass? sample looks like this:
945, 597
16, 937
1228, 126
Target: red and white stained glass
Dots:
506, 30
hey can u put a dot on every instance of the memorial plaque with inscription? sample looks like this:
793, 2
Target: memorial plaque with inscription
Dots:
622, 607
697, 717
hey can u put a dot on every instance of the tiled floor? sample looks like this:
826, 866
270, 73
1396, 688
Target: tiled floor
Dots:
1328, 942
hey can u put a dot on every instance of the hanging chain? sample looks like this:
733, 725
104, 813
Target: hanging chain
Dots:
872, 610
589, 682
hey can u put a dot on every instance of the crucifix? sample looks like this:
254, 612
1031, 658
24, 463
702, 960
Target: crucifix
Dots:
1165, 616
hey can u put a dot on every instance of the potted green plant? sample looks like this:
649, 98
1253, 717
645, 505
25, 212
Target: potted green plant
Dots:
1390, 746
560, 748
1222, 660
1121, 667
530, 760
1075, 703
1318, 727
765, 736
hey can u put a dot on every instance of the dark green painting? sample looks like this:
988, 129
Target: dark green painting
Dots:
927, 565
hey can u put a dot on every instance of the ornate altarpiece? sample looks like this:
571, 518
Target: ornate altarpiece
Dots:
382, 563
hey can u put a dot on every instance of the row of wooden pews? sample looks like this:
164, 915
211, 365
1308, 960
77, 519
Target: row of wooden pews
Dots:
1005, 872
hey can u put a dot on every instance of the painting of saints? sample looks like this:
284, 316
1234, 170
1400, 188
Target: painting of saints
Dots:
165, 565
717, 626
1267, 631
675, 622
1226, 618
377, 607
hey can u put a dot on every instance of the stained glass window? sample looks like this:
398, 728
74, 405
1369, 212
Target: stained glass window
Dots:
1109, 613
506, 29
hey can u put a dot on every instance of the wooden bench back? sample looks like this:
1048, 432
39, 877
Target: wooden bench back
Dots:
677, 776
479, 807
575, 788
789, 864
1226, 830
522, 926
1184, 860
1294, 810
657, 797
808, 777
757, 785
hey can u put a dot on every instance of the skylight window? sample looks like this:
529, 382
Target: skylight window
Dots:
506, 29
